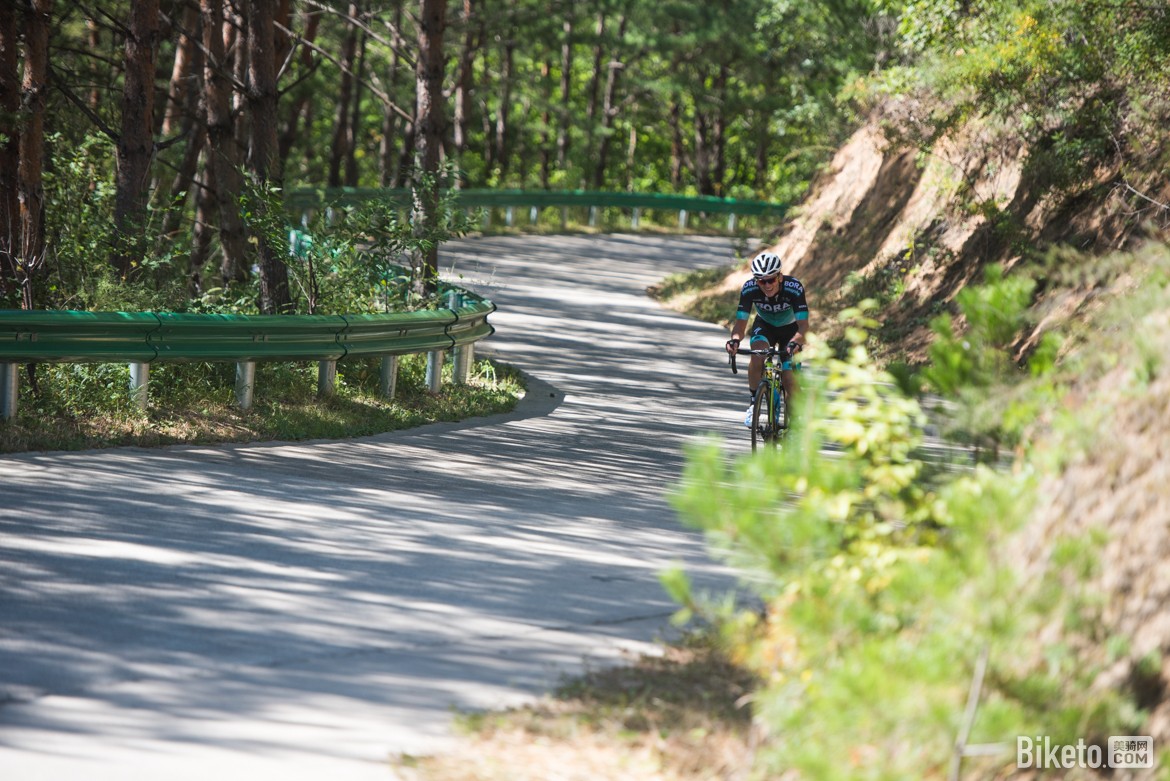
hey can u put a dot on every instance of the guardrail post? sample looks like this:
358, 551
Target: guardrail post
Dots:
533, 213
435, 370
634, 221
731, 222
464, 358
326, 378
682, 219
592, 216
139, 384
564, 217
389, 376
9, 389
245, 383
508, 214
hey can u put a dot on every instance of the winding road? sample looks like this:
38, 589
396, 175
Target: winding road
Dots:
307, 610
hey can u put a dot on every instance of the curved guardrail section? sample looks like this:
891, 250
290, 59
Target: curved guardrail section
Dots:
141, 338
307, 199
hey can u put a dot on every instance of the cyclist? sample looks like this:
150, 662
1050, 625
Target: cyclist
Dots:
781, 319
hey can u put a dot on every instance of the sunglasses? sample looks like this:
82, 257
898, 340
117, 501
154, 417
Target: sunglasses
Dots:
767, 280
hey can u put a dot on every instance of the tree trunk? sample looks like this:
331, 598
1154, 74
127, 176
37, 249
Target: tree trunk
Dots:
676, 144
719, 131
546, 152
702, 153
608, 113
262, 163
503, 147
184, 74
563, 139
631, 150
32, 147
9, 154
184, 115
464, 85
595, 79
429, 133
203, 230
355, 118
93, 35
595, 82
386, 157
135, 148
298, 110
341, 129
224, 181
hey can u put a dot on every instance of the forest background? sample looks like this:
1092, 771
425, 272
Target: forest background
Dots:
145, 143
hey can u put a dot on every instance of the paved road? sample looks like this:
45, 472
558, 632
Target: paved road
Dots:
307, 610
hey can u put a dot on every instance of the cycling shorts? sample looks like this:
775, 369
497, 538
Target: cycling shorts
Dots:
765, 334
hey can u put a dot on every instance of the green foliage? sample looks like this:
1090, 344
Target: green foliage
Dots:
884, 577
864, 551
368, 258
75, 406
978, 356
1069, 75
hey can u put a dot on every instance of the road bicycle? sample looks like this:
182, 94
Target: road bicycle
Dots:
770, 411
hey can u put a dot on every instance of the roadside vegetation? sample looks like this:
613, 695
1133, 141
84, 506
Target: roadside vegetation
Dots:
913, 606
82, 406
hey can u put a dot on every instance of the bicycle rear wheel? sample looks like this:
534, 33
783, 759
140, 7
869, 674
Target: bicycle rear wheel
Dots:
762, 428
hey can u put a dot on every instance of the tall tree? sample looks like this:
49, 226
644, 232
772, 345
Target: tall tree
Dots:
609, 109
262, 162
136, 137
34, 87
563, 140
502, 140
223, 178
302, 99
465, 78
343, 136
183, 116
9, 152
431, 124
389, 168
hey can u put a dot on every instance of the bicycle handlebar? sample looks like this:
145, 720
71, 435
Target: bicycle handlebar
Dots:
770, 352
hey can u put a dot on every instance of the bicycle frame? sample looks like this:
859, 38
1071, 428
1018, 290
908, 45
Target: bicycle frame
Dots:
770, 416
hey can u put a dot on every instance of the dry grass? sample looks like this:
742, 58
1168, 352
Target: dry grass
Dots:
53, 418
684, 716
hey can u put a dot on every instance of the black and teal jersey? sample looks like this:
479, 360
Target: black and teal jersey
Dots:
784, 308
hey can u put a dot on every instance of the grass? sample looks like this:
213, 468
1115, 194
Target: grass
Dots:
78, 407
697, 294
682, 716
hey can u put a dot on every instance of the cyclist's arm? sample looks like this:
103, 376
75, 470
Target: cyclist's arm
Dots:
801, 334
742, 314
800, 307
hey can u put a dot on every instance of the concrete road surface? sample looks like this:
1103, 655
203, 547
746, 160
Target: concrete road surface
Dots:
308, 610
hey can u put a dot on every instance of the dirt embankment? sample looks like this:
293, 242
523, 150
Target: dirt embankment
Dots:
911, 228
914, 228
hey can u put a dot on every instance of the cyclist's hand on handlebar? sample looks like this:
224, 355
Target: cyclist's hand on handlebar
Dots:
732, 346
794, 347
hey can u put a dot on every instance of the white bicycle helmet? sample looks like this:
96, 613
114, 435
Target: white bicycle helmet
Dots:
766, 264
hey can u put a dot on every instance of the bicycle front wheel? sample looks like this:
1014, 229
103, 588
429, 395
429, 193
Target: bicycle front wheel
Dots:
762, 416
780, 414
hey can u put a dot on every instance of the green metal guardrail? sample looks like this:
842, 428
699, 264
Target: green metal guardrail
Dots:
140, 338
304, 200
